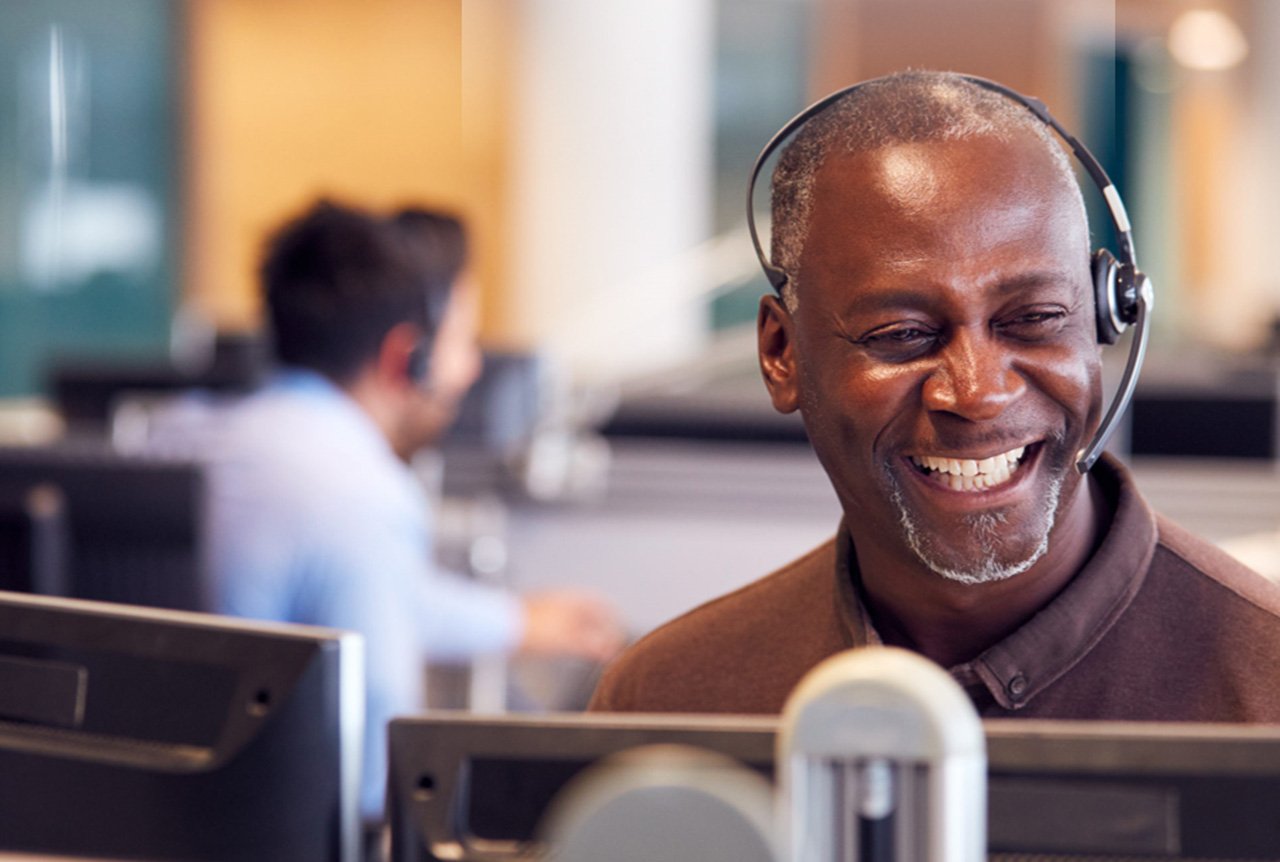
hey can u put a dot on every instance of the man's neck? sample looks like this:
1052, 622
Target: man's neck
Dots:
952, 623
378, 403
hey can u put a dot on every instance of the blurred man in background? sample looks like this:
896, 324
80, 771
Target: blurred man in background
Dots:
315, 515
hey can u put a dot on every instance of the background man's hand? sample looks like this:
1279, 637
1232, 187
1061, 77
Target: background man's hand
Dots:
572, 623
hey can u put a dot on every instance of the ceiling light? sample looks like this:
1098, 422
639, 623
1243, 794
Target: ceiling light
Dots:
1207, 40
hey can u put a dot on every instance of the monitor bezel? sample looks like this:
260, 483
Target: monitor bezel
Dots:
430, 822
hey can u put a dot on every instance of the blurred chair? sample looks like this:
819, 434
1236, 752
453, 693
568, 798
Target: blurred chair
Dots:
33, 539
133, 525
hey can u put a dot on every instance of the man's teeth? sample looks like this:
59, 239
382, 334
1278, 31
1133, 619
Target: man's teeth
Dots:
967, 474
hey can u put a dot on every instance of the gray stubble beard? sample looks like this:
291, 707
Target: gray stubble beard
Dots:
986, 526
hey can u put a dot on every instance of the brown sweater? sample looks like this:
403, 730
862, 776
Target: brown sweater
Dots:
1159, 625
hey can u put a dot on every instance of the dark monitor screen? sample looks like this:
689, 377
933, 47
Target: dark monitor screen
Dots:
87, 391
134, 525
1190, 425
145, 734
462, 785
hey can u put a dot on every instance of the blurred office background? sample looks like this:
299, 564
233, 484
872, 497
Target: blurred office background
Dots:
621, 438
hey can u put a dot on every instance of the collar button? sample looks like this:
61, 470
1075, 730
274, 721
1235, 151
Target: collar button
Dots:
1017, 686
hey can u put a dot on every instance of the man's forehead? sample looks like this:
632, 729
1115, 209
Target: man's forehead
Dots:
919, 167
915, 184
861, 296
983, 213
907, 173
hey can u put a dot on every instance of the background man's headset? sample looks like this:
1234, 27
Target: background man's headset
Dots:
419, 363
1123, 294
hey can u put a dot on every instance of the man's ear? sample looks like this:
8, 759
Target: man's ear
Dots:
395, 356
775, 341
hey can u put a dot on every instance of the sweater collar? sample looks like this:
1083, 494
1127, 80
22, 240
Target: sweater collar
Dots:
1063, 632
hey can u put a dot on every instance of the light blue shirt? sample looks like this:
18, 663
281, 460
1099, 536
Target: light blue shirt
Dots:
314, 519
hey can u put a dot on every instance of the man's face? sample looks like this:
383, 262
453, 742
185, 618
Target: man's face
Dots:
454, 365
943, 354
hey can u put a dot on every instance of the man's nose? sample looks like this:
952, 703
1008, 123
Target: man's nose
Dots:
973, 378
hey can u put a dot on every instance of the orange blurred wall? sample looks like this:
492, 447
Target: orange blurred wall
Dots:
291, 99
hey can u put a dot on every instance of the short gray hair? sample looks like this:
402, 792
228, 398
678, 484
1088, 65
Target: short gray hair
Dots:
907, 107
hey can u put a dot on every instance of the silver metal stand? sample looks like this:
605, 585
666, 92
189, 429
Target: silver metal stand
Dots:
881, 758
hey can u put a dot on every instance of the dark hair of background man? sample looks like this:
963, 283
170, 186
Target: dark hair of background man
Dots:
336, 279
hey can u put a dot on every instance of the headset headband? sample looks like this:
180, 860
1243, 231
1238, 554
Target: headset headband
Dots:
1129, 295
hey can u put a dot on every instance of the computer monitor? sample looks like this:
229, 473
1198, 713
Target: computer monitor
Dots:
86, 391
461, 784
134, 524
146, 734
464, 786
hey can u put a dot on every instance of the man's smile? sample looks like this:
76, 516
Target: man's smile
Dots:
980, 518
970, 474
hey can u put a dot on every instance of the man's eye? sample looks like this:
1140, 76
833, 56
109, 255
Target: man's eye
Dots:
1034, 324
898, 342
901, 335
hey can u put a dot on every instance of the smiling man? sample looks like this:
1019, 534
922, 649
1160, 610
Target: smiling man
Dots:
937, 334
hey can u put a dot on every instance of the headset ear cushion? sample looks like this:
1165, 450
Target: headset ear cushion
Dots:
419, 360
1105, 299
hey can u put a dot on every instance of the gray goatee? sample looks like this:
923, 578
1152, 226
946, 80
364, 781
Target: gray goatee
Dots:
990, 564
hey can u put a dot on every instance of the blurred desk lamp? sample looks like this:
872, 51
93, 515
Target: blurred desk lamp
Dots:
675, 803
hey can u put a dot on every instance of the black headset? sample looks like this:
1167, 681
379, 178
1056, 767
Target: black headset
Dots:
435, 304
1123, 295
419, 364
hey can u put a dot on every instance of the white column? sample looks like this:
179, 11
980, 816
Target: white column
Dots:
1242, 290
610, 180
1257, 175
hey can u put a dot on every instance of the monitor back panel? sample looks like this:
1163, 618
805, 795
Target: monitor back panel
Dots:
146, 734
